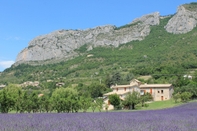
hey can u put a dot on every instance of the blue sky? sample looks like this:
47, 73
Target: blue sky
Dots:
23, 20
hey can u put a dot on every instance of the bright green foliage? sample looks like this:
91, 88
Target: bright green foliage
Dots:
8, 98
191, 87
85, 103
45, 104
96, 90
65, 100
131, 100
116, 78
99, 102
35, 103
144, 98
176, 97
115, 100
185, 96
19, 100
134, 98
27, 102
108, 81
93, 106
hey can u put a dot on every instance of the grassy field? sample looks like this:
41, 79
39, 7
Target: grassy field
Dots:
160, 105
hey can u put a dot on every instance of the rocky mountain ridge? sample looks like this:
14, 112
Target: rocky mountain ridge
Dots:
63, 43
182, 22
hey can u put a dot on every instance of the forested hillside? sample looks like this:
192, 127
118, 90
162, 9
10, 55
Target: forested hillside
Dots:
162, 56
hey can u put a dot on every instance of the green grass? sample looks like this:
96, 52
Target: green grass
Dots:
155, 105
161, 105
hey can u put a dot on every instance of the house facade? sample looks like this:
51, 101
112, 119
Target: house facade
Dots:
159, 92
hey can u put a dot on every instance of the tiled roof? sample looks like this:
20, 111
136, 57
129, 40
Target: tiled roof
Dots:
155, 85
123, 86
118, 93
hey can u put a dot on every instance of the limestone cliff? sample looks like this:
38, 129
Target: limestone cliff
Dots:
62, 44
183, 21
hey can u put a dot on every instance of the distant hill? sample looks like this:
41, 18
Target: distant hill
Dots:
163, 47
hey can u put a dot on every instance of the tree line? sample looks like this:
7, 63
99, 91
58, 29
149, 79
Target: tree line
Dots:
14, 98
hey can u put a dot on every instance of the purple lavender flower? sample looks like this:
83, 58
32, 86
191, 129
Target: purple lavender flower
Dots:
182, 118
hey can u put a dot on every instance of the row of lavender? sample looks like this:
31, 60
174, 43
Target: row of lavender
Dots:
183, 118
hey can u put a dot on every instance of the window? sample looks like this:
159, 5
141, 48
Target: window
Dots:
116, 89
125, 89
161, 91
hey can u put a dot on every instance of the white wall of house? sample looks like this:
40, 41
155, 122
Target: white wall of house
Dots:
159, 94
158, 91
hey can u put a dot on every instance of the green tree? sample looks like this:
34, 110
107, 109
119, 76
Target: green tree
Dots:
108, 81
93, 105
19, 101
8, 98
6, 101
131, 100
27, 102
185, 96
116, 78
129, 77
115, 100
96, 90
85, 103
65, 99
176, 97
45, 103
35, 103
99, 102
144, 98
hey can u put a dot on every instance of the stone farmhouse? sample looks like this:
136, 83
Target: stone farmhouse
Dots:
159, 92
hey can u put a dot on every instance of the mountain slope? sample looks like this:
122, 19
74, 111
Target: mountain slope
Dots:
62, 45
163, 55
159, 53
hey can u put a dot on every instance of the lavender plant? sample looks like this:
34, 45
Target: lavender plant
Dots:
182, 118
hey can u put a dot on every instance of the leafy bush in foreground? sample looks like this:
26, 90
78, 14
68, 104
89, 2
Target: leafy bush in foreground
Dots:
182, 118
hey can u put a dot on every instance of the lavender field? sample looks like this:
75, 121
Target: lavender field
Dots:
182, 118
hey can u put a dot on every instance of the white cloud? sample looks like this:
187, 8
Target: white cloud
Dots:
6, 64
13, 38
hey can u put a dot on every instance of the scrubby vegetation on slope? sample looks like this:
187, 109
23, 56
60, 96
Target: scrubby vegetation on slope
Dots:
164, 56
192, 6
